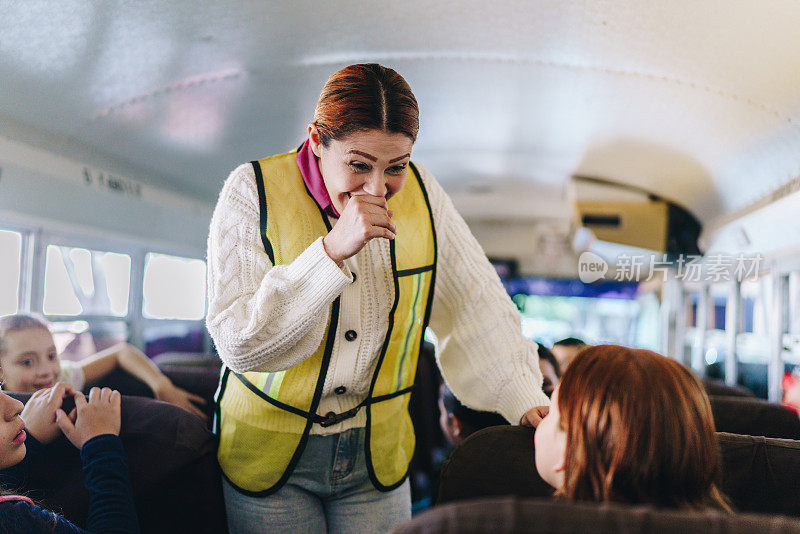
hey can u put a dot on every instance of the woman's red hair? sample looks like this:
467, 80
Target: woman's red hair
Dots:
639, 430
366, 97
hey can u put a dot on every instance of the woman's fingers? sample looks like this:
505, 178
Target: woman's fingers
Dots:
370, 199
534, 416
380, 231
374, 206
380, 219
94, 394
376, 210
364, 218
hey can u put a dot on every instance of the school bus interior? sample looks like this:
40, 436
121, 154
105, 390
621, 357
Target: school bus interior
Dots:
631, 169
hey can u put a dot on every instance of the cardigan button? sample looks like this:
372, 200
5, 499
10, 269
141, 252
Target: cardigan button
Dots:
341, 390
350, 335
354, 277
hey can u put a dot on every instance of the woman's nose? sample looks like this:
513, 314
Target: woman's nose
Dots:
376, 186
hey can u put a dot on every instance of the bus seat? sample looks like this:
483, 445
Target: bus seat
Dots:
492, 462
754, 417
170, 455
719, 388
752, 376
506, 515
200, 380
759, 474
122, 381
169, 360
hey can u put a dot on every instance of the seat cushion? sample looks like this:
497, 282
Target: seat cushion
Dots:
547, 516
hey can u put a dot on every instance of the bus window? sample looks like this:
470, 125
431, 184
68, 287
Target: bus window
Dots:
76, 340
174, 287
607, 312
715, 349
753, 342
10, 261
792, 319
794, 304
86, 282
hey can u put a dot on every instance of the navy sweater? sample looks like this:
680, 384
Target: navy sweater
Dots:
105, 471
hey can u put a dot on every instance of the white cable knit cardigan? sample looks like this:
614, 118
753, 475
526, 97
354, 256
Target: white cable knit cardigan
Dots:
269, 318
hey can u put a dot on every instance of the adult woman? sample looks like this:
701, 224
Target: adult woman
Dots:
629, 425
322, 265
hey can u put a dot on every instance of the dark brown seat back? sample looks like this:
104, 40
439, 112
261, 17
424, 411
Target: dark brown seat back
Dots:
719, 388
491, 462
509, 515
759, 474
754, 417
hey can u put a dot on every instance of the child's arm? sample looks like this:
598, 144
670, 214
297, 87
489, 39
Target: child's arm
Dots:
136, 363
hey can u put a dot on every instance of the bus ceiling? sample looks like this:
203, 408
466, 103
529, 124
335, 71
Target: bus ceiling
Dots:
154, 103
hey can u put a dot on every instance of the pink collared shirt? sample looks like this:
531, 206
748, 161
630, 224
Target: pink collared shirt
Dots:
309, 169
15, 498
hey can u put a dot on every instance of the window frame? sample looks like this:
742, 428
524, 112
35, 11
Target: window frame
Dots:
33, 261
25, 261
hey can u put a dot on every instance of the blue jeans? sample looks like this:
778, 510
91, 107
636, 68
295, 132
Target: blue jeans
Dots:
329, 491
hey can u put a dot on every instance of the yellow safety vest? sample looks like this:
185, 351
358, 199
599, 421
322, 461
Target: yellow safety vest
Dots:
264, 419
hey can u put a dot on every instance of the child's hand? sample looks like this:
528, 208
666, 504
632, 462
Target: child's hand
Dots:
181, 398
101, 415
39, 413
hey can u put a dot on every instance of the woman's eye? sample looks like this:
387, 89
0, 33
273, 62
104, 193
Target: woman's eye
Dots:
52, 356
26, 363
359, 166
397, 169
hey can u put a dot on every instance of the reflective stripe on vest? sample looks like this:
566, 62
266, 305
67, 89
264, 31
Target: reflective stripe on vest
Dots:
264, 419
